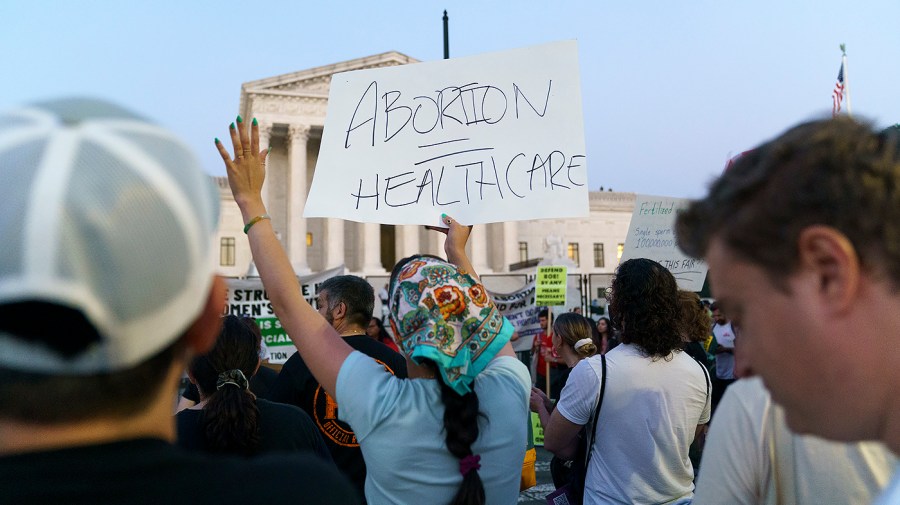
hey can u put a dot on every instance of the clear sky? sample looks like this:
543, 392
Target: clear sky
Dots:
670, 87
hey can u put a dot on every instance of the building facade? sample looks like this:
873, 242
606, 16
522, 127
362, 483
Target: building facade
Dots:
291, 110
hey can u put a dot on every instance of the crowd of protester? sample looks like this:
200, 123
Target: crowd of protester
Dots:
431, 404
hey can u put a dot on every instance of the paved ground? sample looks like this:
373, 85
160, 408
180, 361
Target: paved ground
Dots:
537, 494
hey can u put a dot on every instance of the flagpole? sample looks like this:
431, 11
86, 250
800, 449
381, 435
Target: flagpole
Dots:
846, 80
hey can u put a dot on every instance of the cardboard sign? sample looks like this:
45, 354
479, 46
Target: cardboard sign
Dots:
489, 138
550, 286
247, 297
651, 235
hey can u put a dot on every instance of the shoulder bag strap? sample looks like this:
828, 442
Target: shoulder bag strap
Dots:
593, 427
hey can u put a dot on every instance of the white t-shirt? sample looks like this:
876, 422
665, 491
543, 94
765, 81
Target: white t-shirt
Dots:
724, 334
891, 495
738, 466
647, 422
399, 425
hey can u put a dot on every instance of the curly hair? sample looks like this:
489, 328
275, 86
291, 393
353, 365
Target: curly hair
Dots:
837, 172
695, 320
572, 327
644, 305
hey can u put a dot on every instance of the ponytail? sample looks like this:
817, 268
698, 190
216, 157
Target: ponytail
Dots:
461, 427
230, 416
231, 419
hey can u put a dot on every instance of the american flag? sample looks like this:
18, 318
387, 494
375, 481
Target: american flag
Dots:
837, 95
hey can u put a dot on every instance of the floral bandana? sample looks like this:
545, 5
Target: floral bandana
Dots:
444, 315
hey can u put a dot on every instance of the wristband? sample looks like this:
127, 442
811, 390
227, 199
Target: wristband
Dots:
254, 221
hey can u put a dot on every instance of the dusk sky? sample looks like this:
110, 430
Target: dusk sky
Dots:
670, 88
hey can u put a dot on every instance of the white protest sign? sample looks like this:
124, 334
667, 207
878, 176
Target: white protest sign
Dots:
651, 235
247, 297
488, 138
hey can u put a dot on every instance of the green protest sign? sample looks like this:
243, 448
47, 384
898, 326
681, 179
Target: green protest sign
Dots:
537, 430
550, 286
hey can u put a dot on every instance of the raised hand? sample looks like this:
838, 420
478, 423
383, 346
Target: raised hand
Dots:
246, 172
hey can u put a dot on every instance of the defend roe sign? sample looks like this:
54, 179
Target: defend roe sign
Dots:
550, 286
487, 138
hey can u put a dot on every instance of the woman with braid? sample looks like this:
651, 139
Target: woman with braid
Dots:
455, 431
229, 418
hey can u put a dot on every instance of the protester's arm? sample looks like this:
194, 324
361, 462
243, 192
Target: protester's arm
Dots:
561, 436
455, 248
320, 345
573, 410
540, 404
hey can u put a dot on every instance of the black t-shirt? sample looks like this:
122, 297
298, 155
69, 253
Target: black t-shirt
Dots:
151, 471
260, 385
297, 386
282, 428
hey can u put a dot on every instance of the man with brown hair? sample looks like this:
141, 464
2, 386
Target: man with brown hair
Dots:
802, 238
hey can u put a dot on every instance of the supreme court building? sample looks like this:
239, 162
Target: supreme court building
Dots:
291, 110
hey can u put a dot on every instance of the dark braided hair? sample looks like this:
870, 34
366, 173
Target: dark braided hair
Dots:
230, 417
461, 427
460, 417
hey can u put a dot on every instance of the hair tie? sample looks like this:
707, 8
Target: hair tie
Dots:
469, 463
583, 342
234, 377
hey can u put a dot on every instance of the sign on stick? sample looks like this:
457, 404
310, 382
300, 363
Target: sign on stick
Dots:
550, 286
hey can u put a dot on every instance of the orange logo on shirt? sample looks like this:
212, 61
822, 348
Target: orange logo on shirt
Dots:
325, 410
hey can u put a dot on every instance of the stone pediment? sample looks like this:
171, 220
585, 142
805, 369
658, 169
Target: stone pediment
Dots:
315, 82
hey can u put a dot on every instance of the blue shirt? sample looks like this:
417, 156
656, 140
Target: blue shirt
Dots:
399, 425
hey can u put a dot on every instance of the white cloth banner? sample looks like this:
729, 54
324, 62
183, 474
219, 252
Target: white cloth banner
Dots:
489, 138
247, 297
651, 235
518, 307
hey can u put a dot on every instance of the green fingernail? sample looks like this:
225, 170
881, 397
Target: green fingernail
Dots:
255, 123
217, 140
269, 149
240, 119
443, 216
232, 126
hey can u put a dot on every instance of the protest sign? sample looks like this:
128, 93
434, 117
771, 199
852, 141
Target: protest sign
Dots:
488, 138
247, 297
550, 285
651, 235
519, 308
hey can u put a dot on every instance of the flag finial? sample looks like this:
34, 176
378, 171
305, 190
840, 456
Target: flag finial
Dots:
844, 49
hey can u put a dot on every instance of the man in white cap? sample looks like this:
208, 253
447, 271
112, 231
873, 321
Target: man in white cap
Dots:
106, 287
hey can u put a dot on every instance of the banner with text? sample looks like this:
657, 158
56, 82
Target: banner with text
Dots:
519, 308
247, 297
489, 138
651, 235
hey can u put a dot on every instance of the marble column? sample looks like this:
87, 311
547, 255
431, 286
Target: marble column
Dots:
510, 244
406, 241
298, 136
334, 242
371, 249
479, 245
265, 137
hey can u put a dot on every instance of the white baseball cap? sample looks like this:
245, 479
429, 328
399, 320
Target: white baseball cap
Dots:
106, 213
